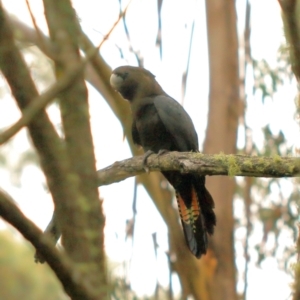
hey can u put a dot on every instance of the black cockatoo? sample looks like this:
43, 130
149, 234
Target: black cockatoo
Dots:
160, 123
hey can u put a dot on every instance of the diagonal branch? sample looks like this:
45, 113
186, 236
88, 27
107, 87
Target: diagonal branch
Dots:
73, 282
41, 102
205, 164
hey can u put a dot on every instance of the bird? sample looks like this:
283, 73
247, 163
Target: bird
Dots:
160, 124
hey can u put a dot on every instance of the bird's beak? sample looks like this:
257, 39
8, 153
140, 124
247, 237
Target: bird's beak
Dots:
116, 81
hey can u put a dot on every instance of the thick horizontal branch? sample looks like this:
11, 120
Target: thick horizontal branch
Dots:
205, 164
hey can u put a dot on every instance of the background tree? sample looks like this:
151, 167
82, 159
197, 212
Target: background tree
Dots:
221, 135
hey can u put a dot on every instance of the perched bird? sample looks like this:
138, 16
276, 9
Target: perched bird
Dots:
161, 124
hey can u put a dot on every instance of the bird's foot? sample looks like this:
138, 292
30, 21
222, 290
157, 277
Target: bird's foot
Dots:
162, 151
147, 154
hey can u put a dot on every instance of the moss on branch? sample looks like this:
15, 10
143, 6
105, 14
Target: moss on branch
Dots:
205, 164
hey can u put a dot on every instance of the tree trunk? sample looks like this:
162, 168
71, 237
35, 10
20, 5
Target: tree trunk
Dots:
221, 136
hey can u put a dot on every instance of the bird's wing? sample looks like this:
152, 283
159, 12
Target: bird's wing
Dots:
135, 134
177, 122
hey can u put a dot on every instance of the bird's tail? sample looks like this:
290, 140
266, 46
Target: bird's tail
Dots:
196, 210
206, 203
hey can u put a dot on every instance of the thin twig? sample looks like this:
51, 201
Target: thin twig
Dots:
139, 59
121, 16
159, 31
38, 31
186, 72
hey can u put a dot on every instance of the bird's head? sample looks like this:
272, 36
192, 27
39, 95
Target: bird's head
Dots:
134, 82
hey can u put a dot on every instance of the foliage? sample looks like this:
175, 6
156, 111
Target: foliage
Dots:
20, 277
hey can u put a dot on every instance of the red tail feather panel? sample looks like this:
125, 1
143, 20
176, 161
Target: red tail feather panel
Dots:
188, 215
193, 223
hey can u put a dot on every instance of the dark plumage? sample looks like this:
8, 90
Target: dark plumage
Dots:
161, 123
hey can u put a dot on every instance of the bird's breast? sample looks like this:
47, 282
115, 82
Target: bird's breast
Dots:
152, 132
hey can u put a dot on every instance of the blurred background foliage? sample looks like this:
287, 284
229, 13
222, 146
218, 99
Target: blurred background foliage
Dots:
19, 279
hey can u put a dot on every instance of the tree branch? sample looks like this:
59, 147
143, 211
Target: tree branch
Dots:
53, 157
204, 164
291, 27
41, 102
72, 280
85, 221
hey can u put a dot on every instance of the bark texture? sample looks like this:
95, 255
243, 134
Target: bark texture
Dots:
83, 229
203, 164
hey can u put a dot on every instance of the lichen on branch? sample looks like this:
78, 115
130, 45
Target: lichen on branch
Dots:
204, 164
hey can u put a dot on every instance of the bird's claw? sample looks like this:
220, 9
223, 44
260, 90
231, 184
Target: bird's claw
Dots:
147, 154
162, 151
